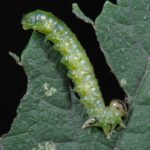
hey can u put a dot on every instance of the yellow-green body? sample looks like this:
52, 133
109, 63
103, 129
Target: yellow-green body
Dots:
79, 67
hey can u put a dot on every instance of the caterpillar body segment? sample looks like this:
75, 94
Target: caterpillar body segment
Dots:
79, 68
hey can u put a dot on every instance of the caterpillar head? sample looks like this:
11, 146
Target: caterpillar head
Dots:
120, 106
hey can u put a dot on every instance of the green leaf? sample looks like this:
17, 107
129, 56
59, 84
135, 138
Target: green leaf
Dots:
16, 58
45, 104
78, 12
123, 32
50, 116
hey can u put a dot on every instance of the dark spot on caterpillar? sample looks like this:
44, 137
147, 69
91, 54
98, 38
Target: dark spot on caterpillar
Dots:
79, 68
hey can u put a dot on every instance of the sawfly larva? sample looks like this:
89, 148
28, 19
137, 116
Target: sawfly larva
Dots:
80, 70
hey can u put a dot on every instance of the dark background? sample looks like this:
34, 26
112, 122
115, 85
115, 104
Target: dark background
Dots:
13, 81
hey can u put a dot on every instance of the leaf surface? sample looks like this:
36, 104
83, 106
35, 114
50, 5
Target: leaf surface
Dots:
50, 116
123, 32
78, 12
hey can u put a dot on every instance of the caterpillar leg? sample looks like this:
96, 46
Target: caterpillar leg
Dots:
108, 130
122, 125
92, 122
89, 123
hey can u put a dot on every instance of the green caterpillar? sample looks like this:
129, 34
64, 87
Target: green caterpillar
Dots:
80, 70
